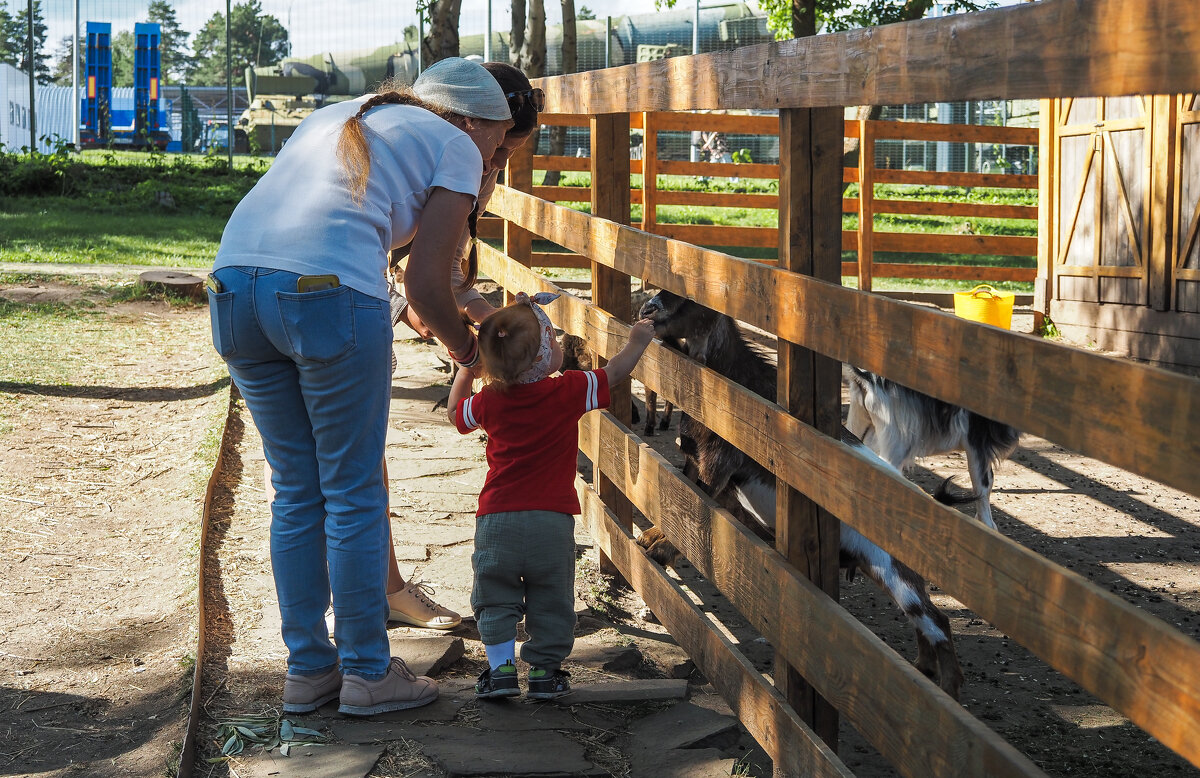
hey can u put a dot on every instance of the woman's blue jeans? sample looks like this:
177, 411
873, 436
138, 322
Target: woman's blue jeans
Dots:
313, 368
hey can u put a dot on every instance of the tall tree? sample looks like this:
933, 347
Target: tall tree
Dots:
570, 64
442, 39
41, 67
123, 45
255, 39
532, 53
173, 58
585, 13
61, 71
10, 48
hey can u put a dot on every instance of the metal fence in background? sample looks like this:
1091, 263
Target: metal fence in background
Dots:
302, 54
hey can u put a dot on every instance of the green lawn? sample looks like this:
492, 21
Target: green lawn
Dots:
107, 207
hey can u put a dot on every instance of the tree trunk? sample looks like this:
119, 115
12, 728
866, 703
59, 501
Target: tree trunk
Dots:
516, 42
570, 64
533, 51
442, 39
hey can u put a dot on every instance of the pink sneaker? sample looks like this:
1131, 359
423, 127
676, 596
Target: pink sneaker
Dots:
397, 690
306, 693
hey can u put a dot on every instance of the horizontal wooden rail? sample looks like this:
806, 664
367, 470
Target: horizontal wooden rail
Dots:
779, 602
938, 208
792, 746
1026, 51
954, 133
950, 272
1140, 418
1128, 658
944, 178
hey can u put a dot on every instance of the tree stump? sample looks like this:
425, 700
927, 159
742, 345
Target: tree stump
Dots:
172, 282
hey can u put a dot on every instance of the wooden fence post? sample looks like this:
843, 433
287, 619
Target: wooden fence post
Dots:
518, 242
809, 384
1043, 285
866, 202
649, 171
1161, 238
610, 288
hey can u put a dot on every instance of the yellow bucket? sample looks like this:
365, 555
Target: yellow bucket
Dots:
986, 305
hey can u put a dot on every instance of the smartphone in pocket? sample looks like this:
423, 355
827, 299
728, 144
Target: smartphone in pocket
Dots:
317, 283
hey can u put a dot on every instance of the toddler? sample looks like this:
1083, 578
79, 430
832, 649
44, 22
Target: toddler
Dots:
524, 558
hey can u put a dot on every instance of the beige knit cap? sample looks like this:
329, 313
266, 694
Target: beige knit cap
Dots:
463, 87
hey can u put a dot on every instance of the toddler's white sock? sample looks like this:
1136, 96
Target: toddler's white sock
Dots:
501, 653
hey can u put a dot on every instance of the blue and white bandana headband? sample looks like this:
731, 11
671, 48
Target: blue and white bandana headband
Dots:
541, 363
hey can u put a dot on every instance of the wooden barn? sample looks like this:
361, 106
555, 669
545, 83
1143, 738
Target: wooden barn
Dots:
1119, 259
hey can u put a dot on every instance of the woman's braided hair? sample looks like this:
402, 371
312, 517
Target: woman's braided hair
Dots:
352, 148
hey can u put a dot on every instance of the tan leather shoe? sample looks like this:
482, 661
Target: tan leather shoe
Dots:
412, 605
306, 693
399, 689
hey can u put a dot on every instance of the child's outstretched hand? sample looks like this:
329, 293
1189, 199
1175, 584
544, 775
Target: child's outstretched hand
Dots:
642, 333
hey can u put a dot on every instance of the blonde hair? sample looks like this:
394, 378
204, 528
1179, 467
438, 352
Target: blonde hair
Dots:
509, 340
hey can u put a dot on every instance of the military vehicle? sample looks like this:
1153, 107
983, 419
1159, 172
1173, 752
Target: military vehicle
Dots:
282, 95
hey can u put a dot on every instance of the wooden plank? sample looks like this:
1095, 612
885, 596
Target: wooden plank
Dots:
1161, 235
793, 748
718, 199
719, 235
809, 384
518, 242
939, 243
958, 272
1047, 210
940, 208
901, 712
559, 259
865, 232
576, 164
1102, 271
610, 286
1136, 417
651, 197
943, 178
670, 167
561, 194
954, 133
1139, 47
743, 124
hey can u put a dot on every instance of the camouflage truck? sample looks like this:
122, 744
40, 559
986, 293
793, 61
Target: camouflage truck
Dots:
280, 96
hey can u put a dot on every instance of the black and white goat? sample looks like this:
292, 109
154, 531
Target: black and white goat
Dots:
900, 424
747, 488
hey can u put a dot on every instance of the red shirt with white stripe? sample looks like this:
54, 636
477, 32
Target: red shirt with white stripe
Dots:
533, 436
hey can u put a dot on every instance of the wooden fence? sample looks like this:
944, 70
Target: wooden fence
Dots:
1136, 417
864, 239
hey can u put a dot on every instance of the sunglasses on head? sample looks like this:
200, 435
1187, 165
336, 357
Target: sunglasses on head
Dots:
535, 96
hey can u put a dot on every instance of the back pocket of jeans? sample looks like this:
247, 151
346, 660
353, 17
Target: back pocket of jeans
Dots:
220, 317
319, 325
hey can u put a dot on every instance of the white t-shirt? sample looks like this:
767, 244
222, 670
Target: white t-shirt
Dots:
299, 217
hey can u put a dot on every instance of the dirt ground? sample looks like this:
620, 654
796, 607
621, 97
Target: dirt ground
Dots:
103, 467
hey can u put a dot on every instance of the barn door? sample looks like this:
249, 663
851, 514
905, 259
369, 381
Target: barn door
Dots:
1185, 255
1102, 200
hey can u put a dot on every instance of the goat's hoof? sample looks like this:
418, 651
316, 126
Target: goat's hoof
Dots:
648, 432
666, 422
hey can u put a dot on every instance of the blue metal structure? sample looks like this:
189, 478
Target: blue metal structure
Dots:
145, 80
97, 94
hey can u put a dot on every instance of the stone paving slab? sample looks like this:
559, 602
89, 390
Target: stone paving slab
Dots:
454, 695
682, 763
515, 715
312, 762
427, 654
679, 726
463, 752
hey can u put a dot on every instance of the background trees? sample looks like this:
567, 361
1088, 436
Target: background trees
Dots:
256, 38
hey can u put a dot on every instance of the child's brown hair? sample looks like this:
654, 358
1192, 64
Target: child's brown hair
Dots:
509, 340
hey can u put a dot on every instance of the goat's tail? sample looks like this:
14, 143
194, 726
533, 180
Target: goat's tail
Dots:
993, 440
946, 496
